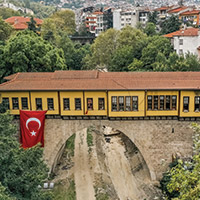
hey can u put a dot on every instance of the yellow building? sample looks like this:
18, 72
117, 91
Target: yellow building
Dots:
124, 95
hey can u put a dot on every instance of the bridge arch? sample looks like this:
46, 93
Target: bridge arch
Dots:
154, 138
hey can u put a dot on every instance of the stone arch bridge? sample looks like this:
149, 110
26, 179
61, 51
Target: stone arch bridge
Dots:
157, 140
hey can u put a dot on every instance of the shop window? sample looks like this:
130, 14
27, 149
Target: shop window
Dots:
185, 104
135, 103
114, 103
101, 104
162, 102
50, 103
149, 98
90, 103
174, 102
66, 104
24, 101
128, 103
38, 103
155, 102
77, 103
5, 102
167, 102
197, 104
15, 103
121, 103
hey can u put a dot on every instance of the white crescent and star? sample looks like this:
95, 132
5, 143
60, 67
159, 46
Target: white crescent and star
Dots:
33, 133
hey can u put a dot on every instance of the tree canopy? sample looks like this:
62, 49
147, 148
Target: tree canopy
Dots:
5, 30
60, 22
21, 170
28, 52
170, 25
182, 181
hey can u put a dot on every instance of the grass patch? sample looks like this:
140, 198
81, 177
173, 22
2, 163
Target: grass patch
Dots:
102, 196
60, 192
89, 138
70, 145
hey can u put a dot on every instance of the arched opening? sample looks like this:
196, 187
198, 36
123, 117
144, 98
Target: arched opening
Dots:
109, 162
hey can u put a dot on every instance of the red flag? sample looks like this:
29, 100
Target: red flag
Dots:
32, 128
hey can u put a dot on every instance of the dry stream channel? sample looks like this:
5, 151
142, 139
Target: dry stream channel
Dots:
104, 165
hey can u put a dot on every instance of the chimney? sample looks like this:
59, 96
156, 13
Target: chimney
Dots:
16, 21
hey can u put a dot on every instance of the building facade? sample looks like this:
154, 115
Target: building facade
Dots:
104, 94
185, 41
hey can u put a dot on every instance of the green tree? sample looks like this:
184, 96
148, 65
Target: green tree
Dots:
177, 63
150, 29
184, 177
21, 170
102, 50
8, 12
136, 65
153, 17
129, 36
170, 25
121, 59
5, 30
3, 195
32, 25
27, 52
155, 45
65, 21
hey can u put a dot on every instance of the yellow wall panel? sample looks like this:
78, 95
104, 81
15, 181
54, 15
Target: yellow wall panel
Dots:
162, 112
141, 104
191, 112
18, 95
44, 96
71, 95
95, 95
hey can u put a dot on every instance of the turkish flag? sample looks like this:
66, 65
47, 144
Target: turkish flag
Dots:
32, 128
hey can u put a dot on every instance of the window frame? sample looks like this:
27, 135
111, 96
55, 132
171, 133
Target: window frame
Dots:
50, 104
187, 103
64, 103
76, 108
17, 107
135, 109
36, 104
129, 106
173, 102
24, 107
90, 104
121, 107
149, 96
6, 103
195, 110
99, 100
113, 103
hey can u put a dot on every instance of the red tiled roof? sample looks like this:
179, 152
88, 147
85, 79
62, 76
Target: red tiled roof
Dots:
20, 19
97, 13
20, 23
176, 10
94, 80
192, 12
162, 8
186, 32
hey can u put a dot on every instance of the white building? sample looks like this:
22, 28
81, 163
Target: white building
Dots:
131, 17
186, 40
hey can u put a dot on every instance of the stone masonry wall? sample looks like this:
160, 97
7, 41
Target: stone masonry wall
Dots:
154, 139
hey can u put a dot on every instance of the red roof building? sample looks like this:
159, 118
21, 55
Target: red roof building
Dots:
21, 23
